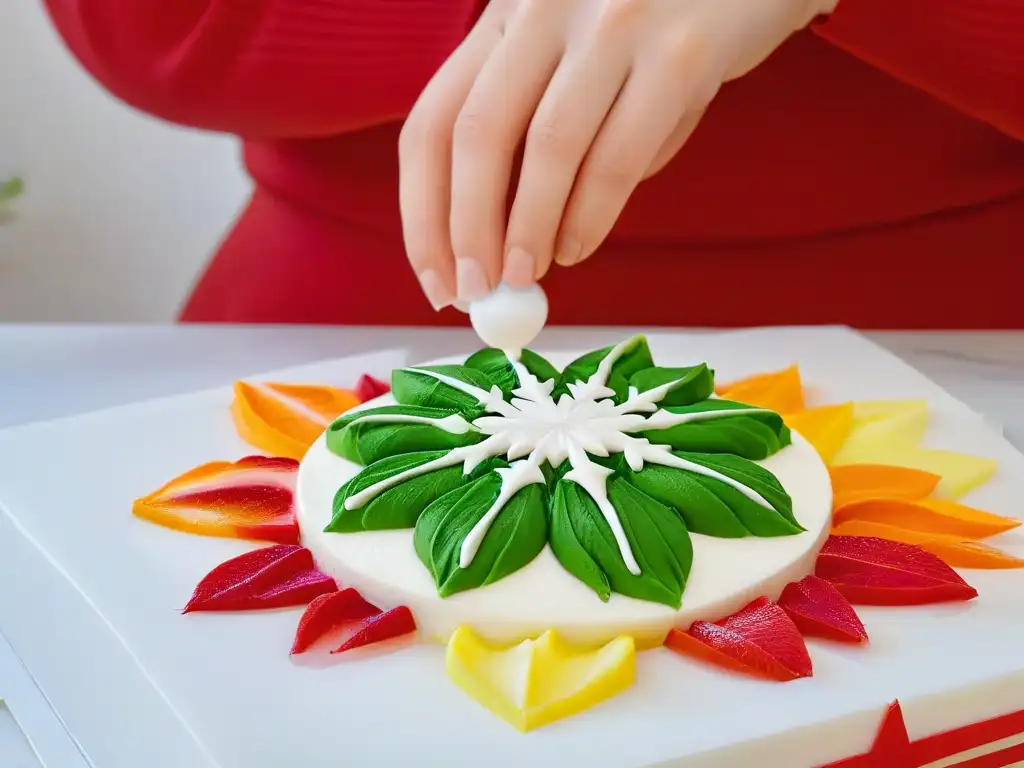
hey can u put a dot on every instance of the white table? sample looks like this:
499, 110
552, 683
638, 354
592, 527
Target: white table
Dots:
52, 371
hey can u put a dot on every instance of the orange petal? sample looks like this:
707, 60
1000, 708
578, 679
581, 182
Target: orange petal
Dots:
927, 516
252, 498
781, 391
858, 482
950, 549
825, 428
286, 419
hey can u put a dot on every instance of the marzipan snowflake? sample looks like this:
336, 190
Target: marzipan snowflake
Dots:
612, 462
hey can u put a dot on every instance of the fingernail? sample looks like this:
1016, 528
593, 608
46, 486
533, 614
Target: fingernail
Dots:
520, 267
434, 290
569, 251
471, 280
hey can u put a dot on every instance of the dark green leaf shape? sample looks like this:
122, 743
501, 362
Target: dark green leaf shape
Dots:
410, 387
689, 385
752, 436
636, 357
516, 536
497, 367
401, 505
714, 508
582, 541
365, 442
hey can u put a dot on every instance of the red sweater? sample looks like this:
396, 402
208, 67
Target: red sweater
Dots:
871, 172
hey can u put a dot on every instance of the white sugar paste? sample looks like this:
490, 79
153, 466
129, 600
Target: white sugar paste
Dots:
510, 318
726, 573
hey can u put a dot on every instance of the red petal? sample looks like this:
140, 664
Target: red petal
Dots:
328, 612
819, 610
761, 639
252, 498
272, 577
890, 749
872, 571
384, 626
368, 388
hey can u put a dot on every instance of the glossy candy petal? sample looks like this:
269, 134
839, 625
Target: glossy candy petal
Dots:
369, 388
826, 428
252, 498
952, 550
860, 482
286, 419
398, 622
960, 472
818, 609
272, 577
896, 424
328, 612
539, 681
932, 516
874, 571
780, 391
759, 640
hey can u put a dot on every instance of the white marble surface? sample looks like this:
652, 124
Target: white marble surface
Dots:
49, 371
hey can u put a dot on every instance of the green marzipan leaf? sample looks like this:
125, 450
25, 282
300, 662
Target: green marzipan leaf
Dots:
713, 508
497, 367
635, 358
694, 384
516, 536
365, 442
751, 436
583, 542
411, 388
401, 505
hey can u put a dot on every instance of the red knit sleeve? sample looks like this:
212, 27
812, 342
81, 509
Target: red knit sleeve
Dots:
265, 68
968, 53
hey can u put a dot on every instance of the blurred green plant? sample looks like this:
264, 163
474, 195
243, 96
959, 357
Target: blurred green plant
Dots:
11, 189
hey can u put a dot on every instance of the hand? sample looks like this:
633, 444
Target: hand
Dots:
600, 94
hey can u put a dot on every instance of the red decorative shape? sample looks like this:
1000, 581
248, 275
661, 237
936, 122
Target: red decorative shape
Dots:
368, 388
760, 640
892, 747
819, 610
328, 612
872, 571
272, 577
384, 626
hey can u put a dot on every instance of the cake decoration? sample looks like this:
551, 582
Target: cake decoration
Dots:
873, 571
369, 388
285, 419
852, 483
613, 463
952, 550
387, 625
818, 609
620, 455
273, 577
539, 681
761, 639
252, 498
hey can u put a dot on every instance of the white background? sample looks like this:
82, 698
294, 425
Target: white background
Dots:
121, 211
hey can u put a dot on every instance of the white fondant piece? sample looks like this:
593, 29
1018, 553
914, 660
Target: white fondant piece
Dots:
726, 573
510, 318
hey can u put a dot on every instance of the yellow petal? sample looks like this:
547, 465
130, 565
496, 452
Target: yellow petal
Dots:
960, 472
825, 428
883, 425
539, 681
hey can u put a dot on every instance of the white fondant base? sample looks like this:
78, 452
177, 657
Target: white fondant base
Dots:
726, 573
